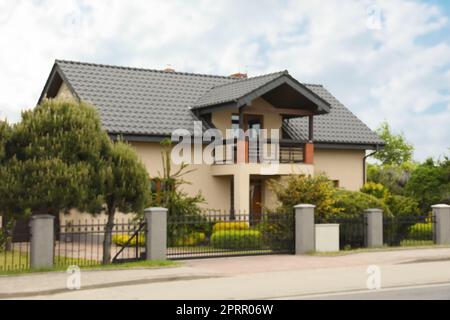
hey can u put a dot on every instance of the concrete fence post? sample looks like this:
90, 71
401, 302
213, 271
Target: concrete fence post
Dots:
304, 229
42, 241
374, 227
441, 227
156, 245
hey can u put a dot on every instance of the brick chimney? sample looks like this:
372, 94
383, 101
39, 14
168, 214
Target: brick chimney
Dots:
239, 75
169, 69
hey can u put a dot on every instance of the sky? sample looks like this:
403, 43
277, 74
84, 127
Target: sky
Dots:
385, 60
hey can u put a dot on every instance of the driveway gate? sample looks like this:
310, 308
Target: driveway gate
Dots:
217, 234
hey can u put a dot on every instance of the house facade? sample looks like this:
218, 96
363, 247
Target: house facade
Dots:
315, 132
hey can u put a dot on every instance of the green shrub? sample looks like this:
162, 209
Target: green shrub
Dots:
375, 189
191, 239
353, 203
295, 189
421, 232
237, 239
231, 225
122, 239
277, 230
402, 206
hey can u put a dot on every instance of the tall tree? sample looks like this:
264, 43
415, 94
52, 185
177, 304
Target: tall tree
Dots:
126, 188
430, 183
9, 208
397, 150
56, 150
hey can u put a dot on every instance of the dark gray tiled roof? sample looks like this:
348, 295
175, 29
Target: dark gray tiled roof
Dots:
338, 126
153, 102
235, 90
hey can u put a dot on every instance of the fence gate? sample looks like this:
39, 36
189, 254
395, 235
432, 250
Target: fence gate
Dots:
81, 243
217, 234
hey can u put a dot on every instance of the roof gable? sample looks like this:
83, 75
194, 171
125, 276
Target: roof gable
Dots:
244, 91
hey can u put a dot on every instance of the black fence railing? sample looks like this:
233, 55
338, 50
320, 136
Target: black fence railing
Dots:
352, 230
81, 243
216, 234
14, 251
408, 231
257, 152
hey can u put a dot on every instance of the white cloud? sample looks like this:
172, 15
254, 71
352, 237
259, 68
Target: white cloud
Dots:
389, 73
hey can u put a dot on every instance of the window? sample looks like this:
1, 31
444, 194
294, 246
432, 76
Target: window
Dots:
235, 125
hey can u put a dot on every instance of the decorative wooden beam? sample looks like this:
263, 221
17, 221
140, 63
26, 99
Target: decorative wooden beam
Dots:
275, 110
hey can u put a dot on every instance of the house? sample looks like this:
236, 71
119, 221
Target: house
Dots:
317, 133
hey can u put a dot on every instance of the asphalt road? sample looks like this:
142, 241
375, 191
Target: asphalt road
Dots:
426, 292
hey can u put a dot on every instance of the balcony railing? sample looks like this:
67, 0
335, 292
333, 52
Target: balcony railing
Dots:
267, 152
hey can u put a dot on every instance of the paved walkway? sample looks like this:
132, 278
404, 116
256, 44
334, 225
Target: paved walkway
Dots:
258, 264
315, 273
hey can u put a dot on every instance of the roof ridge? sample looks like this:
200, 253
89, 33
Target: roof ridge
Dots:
313, 84
239, 80
140, 69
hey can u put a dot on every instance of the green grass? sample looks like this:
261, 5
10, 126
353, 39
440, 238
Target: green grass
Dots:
11, 260
9, 264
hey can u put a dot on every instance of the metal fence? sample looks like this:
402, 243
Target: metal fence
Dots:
81, 243
352, 230
218, 234
14, 251
408, 231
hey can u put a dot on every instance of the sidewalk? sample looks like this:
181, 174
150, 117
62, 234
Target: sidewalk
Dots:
29, 285
347, 271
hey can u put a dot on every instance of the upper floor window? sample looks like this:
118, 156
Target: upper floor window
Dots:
235, 125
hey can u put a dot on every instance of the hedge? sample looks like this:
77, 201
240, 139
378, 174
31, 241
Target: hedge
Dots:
191, 239
237, 239
421, 232
232, 225
122, 239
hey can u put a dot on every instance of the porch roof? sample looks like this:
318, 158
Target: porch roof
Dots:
280, 89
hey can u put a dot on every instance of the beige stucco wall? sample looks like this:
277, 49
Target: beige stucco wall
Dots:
64, 92
215, 189
346, 166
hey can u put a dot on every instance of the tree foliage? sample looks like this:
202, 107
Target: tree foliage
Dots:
397, 150
125, 187
375, 189
393, 177
54, 154
298, 189
430, 183
354, 203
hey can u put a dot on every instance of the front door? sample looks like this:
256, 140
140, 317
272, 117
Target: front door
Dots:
255, 201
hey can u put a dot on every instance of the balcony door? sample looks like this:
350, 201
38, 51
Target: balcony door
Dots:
253, 121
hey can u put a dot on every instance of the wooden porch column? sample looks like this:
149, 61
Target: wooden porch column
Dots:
309, 146
242, 144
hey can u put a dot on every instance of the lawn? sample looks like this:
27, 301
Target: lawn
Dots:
13, 260
14, 263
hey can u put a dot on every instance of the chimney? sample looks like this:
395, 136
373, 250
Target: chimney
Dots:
169, 70
239, 75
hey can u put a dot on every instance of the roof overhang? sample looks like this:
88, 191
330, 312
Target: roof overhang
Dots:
352, 146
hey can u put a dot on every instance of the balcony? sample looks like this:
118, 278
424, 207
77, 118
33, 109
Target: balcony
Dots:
283, 151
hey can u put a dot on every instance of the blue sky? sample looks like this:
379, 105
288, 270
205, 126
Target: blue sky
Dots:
385, 60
